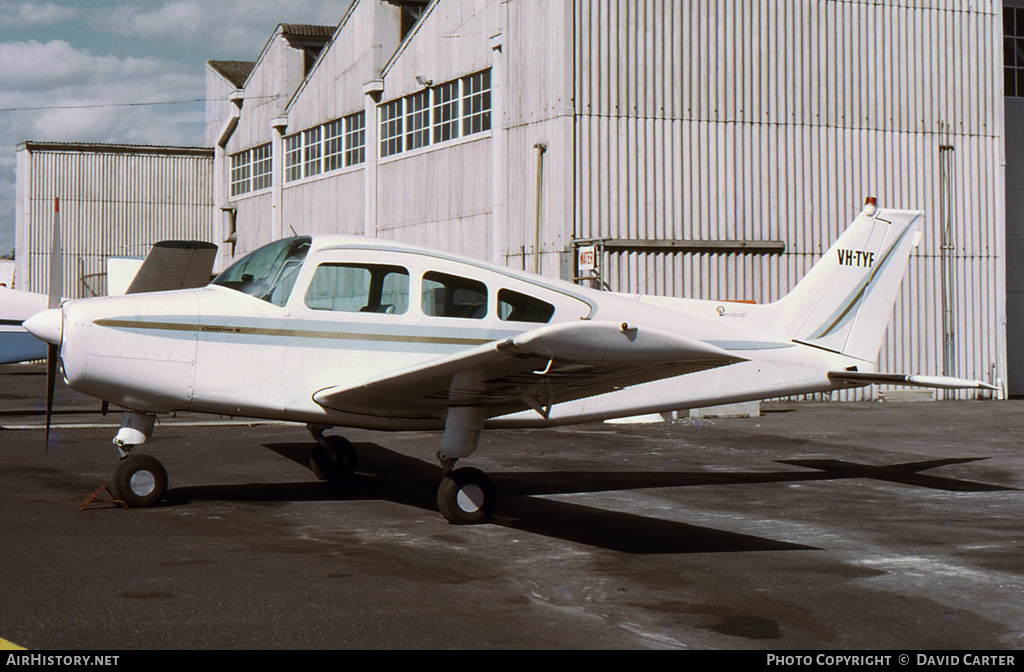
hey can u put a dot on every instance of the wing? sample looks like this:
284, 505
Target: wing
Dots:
858, 378
175, 264
536, 369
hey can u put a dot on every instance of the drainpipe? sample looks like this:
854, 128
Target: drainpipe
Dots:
541, 148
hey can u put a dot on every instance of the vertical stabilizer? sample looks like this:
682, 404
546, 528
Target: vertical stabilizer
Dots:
844, 303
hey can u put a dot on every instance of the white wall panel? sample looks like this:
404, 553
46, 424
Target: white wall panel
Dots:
114, 201
772, 120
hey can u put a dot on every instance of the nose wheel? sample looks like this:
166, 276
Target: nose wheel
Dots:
466, 497
140, 481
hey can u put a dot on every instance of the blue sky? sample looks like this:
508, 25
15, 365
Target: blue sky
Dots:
78, 71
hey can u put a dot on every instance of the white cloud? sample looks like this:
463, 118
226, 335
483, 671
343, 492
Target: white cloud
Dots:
28, 14
236, 25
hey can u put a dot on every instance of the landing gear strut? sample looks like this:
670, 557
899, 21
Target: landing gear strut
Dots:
467, 496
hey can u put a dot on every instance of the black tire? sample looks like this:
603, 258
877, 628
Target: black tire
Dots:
140, 481
466, 497
336, 463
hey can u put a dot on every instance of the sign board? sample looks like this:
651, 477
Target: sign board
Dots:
586, 259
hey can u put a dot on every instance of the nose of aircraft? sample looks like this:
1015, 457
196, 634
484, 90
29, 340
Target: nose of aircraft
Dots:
46, 325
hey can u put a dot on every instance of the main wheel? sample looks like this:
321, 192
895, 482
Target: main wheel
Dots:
140, 481
466, 496
335, 463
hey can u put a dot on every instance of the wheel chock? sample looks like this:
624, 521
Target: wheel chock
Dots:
94, 498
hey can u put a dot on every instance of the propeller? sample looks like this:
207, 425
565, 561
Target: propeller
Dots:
55, 296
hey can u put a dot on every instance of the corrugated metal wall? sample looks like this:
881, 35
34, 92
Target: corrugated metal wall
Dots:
772, 120
113, 202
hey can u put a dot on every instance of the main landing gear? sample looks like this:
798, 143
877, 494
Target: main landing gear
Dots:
466, 496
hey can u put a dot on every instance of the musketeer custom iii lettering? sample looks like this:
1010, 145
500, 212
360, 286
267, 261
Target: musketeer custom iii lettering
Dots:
344, 331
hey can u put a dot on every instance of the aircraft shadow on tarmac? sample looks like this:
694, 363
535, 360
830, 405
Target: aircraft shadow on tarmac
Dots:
390, 476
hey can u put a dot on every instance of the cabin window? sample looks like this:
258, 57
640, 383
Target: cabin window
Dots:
359, 288
451, 296
269, 273
516, 307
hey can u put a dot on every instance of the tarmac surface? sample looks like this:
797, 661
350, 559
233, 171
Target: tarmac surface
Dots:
824, 526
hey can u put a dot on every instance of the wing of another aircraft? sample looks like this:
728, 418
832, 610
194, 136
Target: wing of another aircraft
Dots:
859, 378
533, 370
175, 264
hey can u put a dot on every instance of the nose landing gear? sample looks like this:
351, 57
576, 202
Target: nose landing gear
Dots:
140, 480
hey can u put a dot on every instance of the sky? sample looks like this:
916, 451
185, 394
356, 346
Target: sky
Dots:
122, 72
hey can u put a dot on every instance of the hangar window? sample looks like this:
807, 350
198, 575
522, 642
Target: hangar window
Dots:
261, 167
270, 272
240, 168
476, 103
250, 170
446, 111
359, 288
293, 157
451, 296
417, 120
355, 138
312, 151
334, 149
516, 307
391, 128
1013, 52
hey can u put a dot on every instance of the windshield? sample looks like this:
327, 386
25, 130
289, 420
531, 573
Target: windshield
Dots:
269, 273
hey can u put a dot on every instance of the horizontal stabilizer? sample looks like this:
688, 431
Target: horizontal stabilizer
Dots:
857, 378
175, 264
534, 370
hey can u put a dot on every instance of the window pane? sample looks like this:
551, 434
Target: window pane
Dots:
417, 120
261, 167
359, 288
516, 307
355, 138
312, 142
391, 128
240, 173
451, 296
476, 103
446, 111
333, 145
293, 157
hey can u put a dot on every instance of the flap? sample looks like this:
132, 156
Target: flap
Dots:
536, 369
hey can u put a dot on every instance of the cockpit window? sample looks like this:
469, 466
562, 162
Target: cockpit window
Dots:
363, 288
269, 273
451, 296
516, 307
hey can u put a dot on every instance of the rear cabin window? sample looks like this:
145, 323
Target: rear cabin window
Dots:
451, 296
359, 288
516, 307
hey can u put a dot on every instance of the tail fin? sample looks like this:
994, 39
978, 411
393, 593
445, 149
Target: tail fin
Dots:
844, 303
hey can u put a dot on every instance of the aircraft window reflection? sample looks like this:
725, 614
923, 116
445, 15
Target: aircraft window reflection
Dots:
451, 296
269, 273
363, 288
516, 307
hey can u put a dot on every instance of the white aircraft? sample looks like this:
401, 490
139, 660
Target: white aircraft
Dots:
344, 331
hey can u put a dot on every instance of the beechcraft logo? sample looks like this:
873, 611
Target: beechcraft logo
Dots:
856, 258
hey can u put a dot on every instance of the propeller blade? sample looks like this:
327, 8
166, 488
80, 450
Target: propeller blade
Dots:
51, 381
56, 260
56, 291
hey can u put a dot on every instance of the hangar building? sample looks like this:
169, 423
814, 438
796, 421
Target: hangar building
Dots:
706, 148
